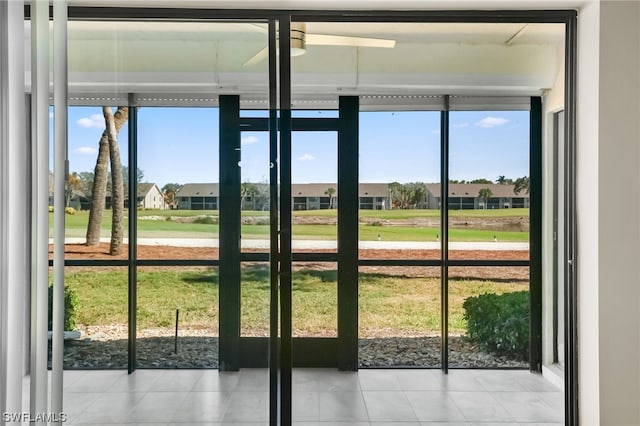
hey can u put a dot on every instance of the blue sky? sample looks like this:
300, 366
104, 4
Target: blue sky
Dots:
181, 145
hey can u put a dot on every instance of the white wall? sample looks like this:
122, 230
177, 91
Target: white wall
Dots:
608, 231
587, 212
618, 224
552, 102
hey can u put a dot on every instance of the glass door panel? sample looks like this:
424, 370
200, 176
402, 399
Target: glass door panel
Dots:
177, 219
254, 191
488, 203
559, 243
104, 331
399, 215
314, 205
315, 299
314, 191
178, 193
488, 197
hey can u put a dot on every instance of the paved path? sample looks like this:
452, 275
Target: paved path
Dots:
322, 244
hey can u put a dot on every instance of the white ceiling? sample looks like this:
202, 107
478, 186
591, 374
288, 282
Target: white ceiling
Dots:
346, 4
197, 58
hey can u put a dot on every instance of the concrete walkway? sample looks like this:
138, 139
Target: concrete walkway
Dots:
322, 244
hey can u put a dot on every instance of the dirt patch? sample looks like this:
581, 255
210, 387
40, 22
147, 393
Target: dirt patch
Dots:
101, 251
516, 223
502, 273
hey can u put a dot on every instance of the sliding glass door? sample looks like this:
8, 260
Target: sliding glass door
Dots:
301, 191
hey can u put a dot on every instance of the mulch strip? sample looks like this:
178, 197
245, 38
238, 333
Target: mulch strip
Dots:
501, 273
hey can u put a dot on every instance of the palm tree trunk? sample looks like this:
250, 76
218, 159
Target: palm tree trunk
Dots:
117, 187
99, 187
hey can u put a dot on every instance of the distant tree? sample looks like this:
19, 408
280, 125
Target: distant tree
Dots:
125, 179
247, 190
521, 184
72, 188
395, 190
503, 180
400, 196
408, 195
86, 178
482, 181
416, 192
261, 197
457, 181
485, 194
330, 192
169, 191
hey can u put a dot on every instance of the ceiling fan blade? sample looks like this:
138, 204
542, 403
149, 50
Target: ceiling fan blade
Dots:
334, 40
258, 57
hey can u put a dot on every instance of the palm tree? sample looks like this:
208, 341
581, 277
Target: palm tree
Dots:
170, 190
416, 192
330, 192
485, 194
99, 184
395, 189
503, 180
521, 184
73, 187
117, 186
481, 180
247, 189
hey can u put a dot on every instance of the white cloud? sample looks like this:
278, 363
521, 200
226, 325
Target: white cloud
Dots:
85, 150
50, 114
94, 121
249, 140
435, 132
460, 125
306, 157
491, 122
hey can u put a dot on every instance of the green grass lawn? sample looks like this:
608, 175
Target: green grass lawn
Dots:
388, 303
76, 226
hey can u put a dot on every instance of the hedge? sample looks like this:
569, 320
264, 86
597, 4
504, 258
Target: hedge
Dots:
499, 323
70, 308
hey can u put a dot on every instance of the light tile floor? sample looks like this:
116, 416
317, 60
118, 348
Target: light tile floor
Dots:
322, 397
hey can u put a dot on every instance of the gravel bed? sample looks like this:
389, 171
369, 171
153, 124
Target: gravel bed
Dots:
106, 347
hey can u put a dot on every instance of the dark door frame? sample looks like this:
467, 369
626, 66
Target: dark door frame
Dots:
284, 17
235, 351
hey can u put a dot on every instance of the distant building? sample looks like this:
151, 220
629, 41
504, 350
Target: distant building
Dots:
466, 196
150, 197
305, 196
318, 196
314, 196
198, 196
374, 196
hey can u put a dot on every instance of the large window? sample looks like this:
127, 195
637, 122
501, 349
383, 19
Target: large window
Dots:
399, 306
489, 158
398, 156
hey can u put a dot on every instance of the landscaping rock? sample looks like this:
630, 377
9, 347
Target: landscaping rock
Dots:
107, 348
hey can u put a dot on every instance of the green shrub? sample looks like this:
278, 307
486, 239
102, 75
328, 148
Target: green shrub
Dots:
70, 210
50, 209
70, 308
499, 323
206, 220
